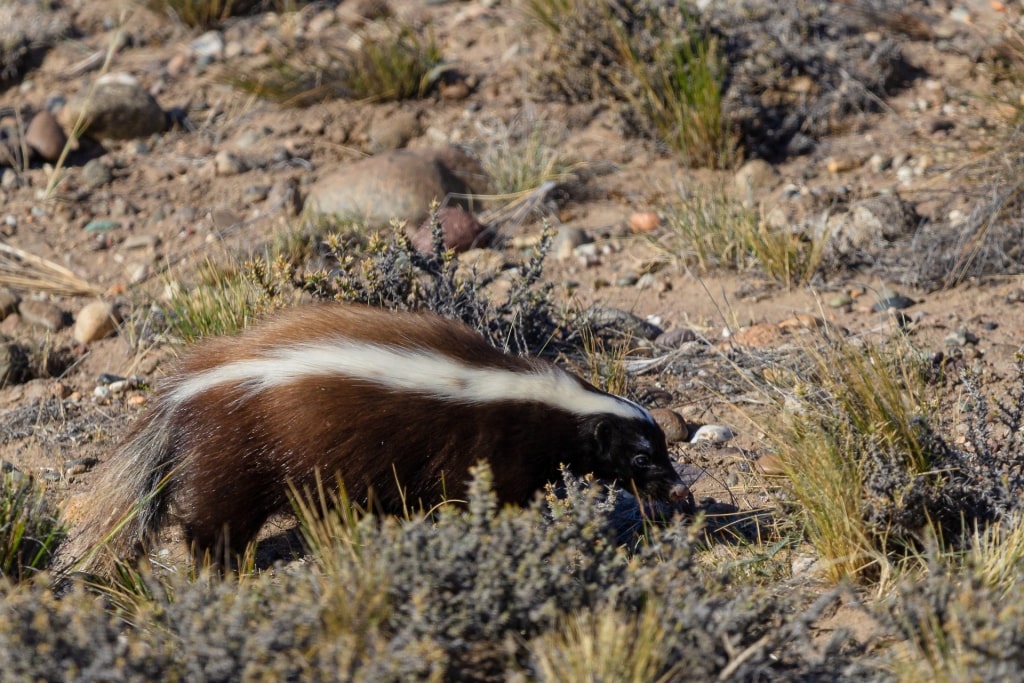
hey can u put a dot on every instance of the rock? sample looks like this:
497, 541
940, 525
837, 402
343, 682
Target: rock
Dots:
255, 193
675, 337
603, 318
224, 218
42, 314
961, 336
712, 433
95, 321
96, 174
9, 179
460, 230
891, 301
101, 225
672, 424
8, 302
836, 165
396, 185
284, 196
870, 224
393, 130
643, 221
566, 240
119, 109
209, 46
45, 136
142, 241
754, 177
227, 163
840, 301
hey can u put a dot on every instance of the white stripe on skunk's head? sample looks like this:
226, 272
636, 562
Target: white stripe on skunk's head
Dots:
420, 371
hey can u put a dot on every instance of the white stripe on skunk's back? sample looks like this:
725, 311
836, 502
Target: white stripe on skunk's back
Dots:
416, 370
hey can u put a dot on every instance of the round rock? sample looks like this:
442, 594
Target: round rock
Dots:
676, 337
671, 423
45, 136
566, 240
396, 185
96, 174
95, 321
228, 163
119, 109
712, 433
460, 231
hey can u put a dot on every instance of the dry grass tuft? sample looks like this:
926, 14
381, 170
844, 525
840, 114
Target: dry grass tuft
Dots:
22, 270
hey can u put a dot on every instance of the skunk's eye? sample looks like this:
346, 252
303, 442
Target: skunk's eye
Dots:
641, 461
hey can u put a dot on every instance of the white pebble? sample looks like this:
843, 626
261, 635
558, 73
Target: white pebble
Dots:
712, 433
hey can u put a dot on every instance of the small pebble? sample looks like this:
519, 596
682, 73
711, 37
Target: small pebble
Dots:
675, 337
228, 163
79, 466
961, 337
840, 300
209, 46
566, 240
643, 221
712, 433
256, 193
101, 225
96, 174
895, 302
141, 242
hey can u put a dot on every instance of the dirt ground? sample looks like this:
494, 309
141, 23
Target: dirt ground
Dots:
167, 187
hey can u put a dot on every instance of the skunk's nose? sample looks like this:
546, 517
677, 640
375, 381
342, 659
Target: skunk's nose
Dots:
680, 493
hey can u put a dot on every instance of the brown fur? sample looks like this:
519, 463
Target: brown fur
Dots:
225, 460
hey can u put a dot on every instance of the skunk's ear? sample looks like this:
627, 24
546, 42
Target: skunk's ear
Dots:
602, 436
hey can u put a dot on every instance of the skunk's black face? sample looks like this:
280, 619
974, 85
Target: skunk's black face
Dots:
633, 452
